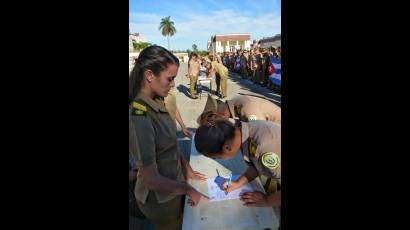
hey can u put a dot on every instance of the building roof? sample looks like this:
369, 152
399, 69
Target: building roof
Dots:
231, 37
271, 39
137, 37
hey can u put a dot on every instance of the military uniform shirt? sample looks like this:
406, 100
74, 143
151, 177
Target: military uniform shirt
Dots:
153, 142
219, 68
193, 69
261, 146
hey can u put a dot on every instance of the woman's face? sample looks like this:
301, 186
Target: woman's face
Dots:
231, 147
165, 81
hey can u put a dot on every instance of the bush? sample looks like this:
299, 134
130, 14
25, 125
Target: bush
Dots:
138, 46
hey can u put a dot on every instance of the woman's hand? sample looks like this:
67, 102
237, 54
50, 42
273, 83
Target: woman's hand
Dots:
187, 132
234, 185
255, 199
195, 197
194, 175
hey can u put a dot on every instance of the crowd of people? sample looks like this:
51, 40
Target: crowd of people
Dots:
159, 171
256, 65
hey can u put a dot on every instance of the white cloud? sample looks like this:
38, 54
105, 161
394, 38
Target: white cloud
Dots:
198, 28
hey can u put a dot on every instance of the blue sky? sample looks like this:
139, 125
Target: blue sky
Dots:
196, 21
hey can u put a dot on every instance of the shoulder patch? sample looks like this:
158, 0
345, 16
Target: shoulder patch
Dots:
138, 109
270, 160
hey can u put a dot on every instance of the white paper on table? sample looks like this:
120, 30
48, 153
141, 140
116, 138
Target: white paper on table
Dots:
217, 194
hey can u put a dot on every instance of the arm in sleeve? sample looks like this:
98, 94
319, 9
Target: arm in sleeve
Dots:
142, 140
270, 152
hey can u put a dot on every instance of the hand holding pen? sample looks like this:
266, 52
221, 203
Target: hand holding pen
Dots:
230, 185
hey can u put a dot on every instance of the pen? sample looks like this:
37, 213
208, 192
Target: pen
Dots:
217, 172
230, 179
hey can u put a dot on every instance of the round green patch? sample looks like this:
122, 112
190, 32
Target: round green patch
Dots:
270, 160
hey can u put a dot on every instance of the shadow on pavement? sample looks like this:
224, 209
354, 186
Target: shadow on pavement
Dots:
266, 98
268, 94
183, 89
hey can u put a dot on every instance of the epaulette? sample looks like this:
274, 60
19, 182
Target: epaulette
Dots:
138, 109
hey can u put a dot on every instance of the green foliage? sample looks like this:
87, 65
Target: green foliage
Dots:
202, 53
194, 47
138, 46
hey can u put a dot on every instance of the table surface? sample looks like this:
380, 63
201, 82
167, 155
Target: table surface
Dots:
227, 214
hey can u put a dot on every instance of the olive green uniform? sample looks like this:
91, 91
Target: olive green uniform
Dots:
261, 147
153, 142
223, 73
193, 72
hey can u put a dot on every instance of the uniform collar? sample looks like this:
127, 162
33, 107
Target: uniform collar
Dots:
156, 105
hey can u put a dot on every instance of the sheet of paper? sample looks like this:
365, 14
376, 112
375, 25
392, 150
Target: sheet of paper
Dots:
217, 194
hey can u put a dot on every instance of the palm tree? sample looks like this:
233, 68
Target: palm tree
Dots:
167, 28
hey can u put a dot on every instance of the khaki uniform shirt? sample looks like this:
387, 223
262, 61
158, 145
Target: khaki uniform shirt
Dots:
193, 69
248, 108
252, 62
220, 69
153, 142
261, 146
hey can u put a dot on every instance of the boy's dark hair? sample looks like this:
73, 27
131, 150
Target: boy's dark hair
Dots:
154, 58
212, 134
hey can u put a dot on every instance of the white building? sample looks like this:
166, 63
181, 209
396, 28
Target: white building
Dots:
131, 45
136, 37
229, 42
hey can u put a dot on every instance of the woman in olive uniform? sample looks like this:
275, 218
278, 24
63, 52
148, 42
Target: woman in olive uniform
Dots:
153, 142
260, 142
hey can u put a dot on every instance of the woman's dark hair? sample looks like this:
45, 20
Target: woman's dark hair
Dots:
212, 134
154, 58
